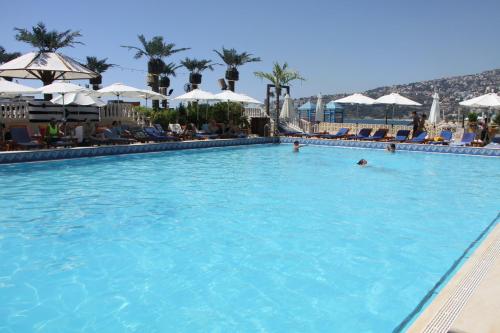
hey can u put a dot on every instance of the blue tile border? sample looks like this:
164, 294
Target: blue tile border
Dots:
426, 148
69, 153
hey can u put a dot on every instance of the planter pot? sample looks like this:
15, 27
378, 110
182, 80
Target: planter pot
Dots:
232, 74
164, 82
96, 80
195, 78
152, 80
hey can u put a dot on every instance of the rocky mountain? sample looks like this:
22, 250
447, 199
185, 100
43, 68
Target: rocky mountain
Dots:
452, 90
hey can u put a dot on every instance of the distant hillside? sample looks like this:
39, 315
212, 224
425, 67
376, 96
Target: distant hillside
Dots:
451, 91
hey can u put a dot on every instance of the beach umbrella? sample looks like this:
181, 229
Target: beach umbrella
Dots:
61, 88
288, 109
308, 107
491, 100
320, 112
356, 99
230, 96
11, 88
395, 99
78, 98
36, 65
196, 95
434, 115
152, 95
121, 90
250, 100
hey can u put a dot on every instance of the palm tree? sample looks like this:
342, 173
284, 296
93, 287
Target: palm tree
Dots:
280, 76
155, 50
47, 41
167, 71
195, 68
233, 60
6, 57
98, 66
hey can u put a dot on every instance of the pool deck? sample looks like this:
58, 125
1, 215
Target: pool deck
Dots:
470, 302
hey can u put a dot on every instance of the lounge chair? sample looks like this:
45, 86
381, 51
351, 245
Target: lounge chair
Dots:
341, 133
114, 138
176, 129
467, 140
378, 135
420, 138
362, 134
197, 134
155, 135
21, 138
401, 135
495, 143
446, 136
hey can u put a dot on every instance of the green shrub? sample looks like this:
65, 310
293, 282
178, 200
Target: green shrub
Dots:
472, 116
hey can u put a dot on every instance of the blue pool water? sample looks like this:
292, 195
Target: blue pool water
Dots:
239, 239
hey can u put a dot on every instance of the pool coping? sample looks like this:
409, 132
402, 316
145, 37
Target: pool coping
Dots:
470, 301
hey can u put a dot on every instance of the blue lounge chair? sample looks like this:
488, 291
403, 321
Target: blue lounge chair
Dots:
155, 135
340, 134
362, 134
446, 135
401, 135
114, 138
420, 138
21, 137
378, 135
495, 143
467, 140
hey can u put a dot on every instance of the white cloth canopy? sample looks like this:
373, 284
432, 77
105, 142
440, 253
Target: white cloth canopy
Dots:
60, 88
434, 116
11, 88
395, 99
78, 98
121, 90
228, 95
31, 65
320, 112
153, 95
250, 100
288, 109
196, 95
491, 100
356, 99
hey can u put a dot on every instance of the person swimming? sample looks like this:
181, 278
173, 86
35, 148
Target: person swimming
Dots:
296, 146
391, 148
362, 162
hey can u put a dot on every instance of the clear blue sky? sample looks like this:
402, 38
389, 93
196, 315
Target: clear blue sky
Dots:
339, 46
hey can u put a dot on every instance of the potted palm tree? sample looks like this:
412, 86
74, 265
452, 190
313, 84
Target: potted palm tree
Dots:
6, 57
47, 41
279, 77
156, 50
233, 60
167, 71
195, 68
99, 66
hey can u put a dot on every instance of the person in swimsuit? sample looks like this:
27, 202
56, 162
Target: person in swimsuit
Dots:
362, 162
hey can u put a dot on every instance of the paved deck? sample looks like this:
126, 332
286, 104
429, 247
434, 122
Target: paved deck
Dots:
470, 302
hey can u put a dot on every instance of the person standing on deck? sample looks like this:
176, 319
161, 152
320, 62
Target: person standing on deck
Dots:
415, 123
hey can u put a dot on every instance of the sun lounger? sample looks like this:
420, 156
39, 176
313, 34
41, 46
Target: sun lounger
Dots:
420, 138
401, 135
176, 129
155, 135
467, 140
343, 132
378, 135
495, 143
362, 134
21, 138
116, 139
446, 136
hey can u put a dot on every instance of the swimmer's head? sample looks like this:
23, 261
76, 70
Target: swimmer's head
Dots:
295, 143
362, 162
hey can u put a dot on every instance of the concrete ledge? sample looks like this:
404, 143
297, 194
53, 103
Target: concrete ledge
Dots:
425, 148
80, 152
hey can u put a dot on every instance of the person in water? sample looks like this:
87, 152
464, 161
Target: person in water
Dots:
362, 162
391, 148
296, 146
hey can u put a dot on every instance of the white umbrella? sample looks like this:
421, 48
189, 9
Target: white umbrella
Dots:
230, 96
395, 99
11, 88
62, 88
434, 115
320, 112
250, 100
121, 90
34, 65
78, 98
196, 95
288, 109
356, 99
152, 95
491, 100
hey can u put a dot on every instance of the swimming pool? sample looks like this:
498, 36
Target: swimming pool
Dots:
234, 239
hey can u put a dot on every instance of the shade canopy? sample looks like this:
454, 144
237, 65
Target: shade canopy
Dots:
121, 90
78, 98
250, 100
307, 107
288, 109
11, 88
320, 110
356, 99
60, 88
196, 95
491, 100
395, 99
228, 95
34, 65
332, 105
153, 95
434, 116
